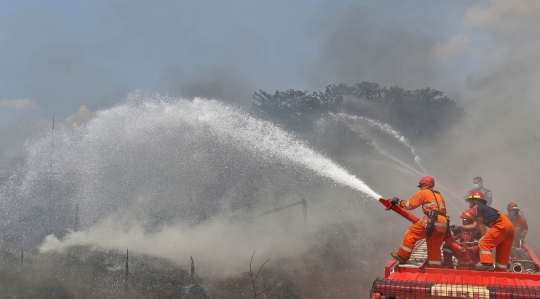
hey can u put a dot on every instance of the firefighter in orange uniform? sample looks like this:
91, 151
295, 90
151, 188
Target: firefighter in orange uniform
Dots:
500, 235
432, 227
519, 222
456, 244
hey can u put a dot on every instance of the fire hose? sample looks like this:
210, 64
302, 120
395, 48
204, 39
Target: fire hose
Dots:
401, 211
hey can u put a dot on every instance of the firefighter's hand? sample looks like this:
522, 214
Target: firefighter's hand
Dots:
395, 200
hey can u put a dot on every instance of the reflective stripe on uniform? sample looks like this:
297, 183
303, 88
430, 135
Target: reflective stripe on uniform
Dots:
406, 248
440, 224
485, 252
447, 250
434, 262
501, 266
434, 204
407, 206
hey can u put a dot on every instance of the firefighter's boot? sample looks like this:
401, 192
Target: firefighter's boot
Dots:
398, 258
484, 267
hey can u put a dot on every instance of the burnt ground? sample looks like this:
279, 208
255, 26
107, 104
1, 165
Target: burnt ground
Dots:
83, 272
343, 263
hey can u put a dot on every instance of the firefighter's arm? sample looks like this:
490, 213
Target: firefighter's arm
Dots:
415, 201
524, 227
472, 226
481, 227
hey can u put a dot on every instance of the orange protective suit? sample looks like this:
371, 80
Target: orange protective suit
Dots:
456, 245
429, 200
520, 228
501, 236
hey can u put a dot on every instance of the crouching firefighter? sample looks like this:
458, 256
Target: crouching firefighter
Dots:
461, 243
432, 227
500, 235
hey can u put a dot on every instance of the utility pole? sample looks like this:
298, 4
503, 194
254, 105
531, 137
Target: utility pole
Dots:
51, 174
192, 269
304, 205
76, 222
126, 286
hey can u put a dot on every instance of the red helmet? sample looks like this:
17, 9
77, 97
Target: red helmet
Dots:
468, 214
427, 181
512, 206
477, 195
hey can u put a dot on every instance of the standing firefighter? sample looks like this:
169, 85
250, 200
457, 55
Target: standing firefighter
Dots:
478, 185
500, 235
519, 222
432, 227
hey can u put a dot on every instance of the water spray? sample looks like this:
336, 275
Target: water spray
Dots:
266, 137
386, 128
395, 134
175, 150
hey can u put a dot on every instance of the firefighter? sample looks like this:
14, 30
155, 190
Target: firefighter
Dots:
478, 184
432, 227
500, 235
519, 222
456, 244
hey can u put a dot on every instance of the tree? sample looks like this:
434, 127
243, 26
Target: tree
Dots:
417, 113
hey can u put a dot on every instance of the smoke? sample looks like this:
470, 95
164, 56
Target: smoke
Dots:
497, 142
163, 176
17, 135
216, 83
56, 65
20, 104
366, 43
156, 183
506, 76
82, 116
90, 272
486, 62
458, 45
220, 247
174, 178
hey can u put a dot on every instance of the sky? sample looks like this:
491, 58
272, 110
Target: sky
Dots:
72, 58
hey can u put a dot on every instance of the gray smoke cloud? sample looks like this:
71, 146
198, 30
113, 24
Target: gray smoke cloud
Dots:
483, 55
218, 83
498, 140
356, 47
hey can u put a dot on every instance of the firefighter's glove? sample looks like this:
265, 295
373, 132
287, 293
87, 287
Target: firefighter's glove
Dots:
396, 201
